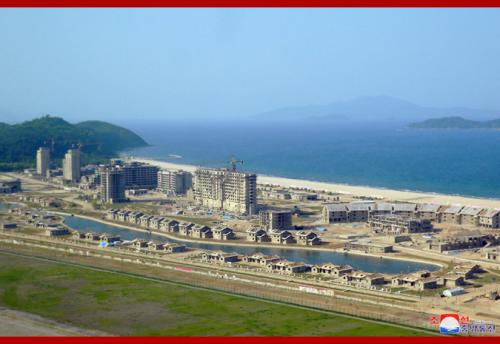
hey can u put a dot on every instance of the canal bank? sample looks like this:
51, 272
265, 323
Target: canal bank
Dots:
366, 263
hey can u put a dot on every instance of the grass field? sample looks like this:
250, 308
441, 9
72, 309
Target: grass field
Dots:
126, 305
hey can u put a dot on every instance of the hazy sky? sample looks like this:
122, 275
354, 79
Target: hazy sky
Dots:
154, 63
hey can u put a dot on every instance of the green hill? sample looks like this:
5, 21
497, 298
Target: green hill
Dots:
99, 140
456, 122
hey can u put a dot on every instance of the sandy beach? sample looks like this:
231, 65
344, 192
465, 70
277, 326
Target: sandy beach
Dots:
387, 194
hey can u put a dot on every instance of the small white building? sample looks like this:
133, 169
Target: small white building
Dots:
454, 292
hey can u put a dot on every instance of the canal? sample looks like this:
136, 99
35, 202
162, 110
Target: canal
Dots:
358, 262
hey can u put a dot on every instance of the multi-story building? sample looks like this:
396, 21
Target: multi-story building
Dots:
396, 224
174, 182
451, 214
71, 165
489, 218
276, 219
470, 215
140, 175
112, 187
43, 161
225, 189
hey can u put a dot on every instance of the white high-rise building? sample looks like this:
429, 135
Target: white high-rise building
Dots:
174, 182
71, 165
42, 161
225, 189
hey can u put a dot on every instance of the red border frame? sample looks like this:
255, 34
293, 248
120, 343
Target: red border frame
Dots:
246, 340
250, 3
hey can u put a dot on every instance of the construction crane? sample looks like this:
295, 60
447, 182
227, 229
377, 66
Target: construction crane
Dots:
233, 163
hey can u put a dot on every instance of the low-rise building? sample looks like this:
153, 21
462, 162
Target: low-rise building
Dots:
123, 215
112, 214
174, 248
419, 281
308, 238
428, 211
397, 224
363, 279
57, 231
282, 237
276, 219
155, 222
489, 218
155, 245
404, 209
223, 233
470, 215
135, 217
78, 235
329, 269
139, 244
450, 280
201, 232
358, 211
185, 228
335, 213
257, 235
464, 242
260, 259
287, 267
220, 257
145, 220
109, 238
492, 254
368, 246
450, 214
380, 209
91, 236
169, 226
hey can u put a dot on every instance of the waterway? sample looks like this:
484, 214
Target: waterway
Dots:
358, 262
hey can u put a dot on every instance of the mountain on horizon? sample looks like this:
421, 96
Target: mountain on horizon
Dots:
375, 108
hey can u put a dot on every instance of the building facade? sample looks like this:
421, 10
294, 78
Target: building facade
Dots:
112, 187
223, 189
174, 182
276, 219
71, 166
43, 161
140, 175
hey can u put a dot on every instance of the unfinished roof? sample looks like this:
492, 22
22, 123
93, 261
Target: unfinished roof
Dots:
383, 206
355, 206
471, 210
405, 206
336, 207
428, 207
490, 212
453, 209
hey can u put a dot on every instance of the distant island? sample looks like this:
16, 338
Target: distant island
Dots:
98, 140
456, 122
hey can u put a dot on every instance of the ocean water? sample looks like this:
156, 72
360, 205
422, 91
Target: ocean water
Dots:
389, 155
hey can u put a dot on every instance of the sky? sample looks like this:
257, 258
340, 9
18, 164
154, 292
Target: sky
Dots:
118, 64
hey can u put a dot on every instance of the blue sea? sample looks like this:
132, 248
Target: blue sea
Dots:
389, 155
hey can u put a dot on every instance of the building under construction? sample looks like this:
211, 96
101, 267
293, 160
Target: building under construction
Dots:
225, 189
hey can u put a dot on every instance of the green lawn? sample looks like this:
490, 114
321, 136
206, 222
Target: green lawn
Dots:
130, 306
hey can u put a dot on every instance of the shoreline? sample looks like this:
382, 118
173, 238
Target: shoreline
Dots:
352, 190
439, 265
